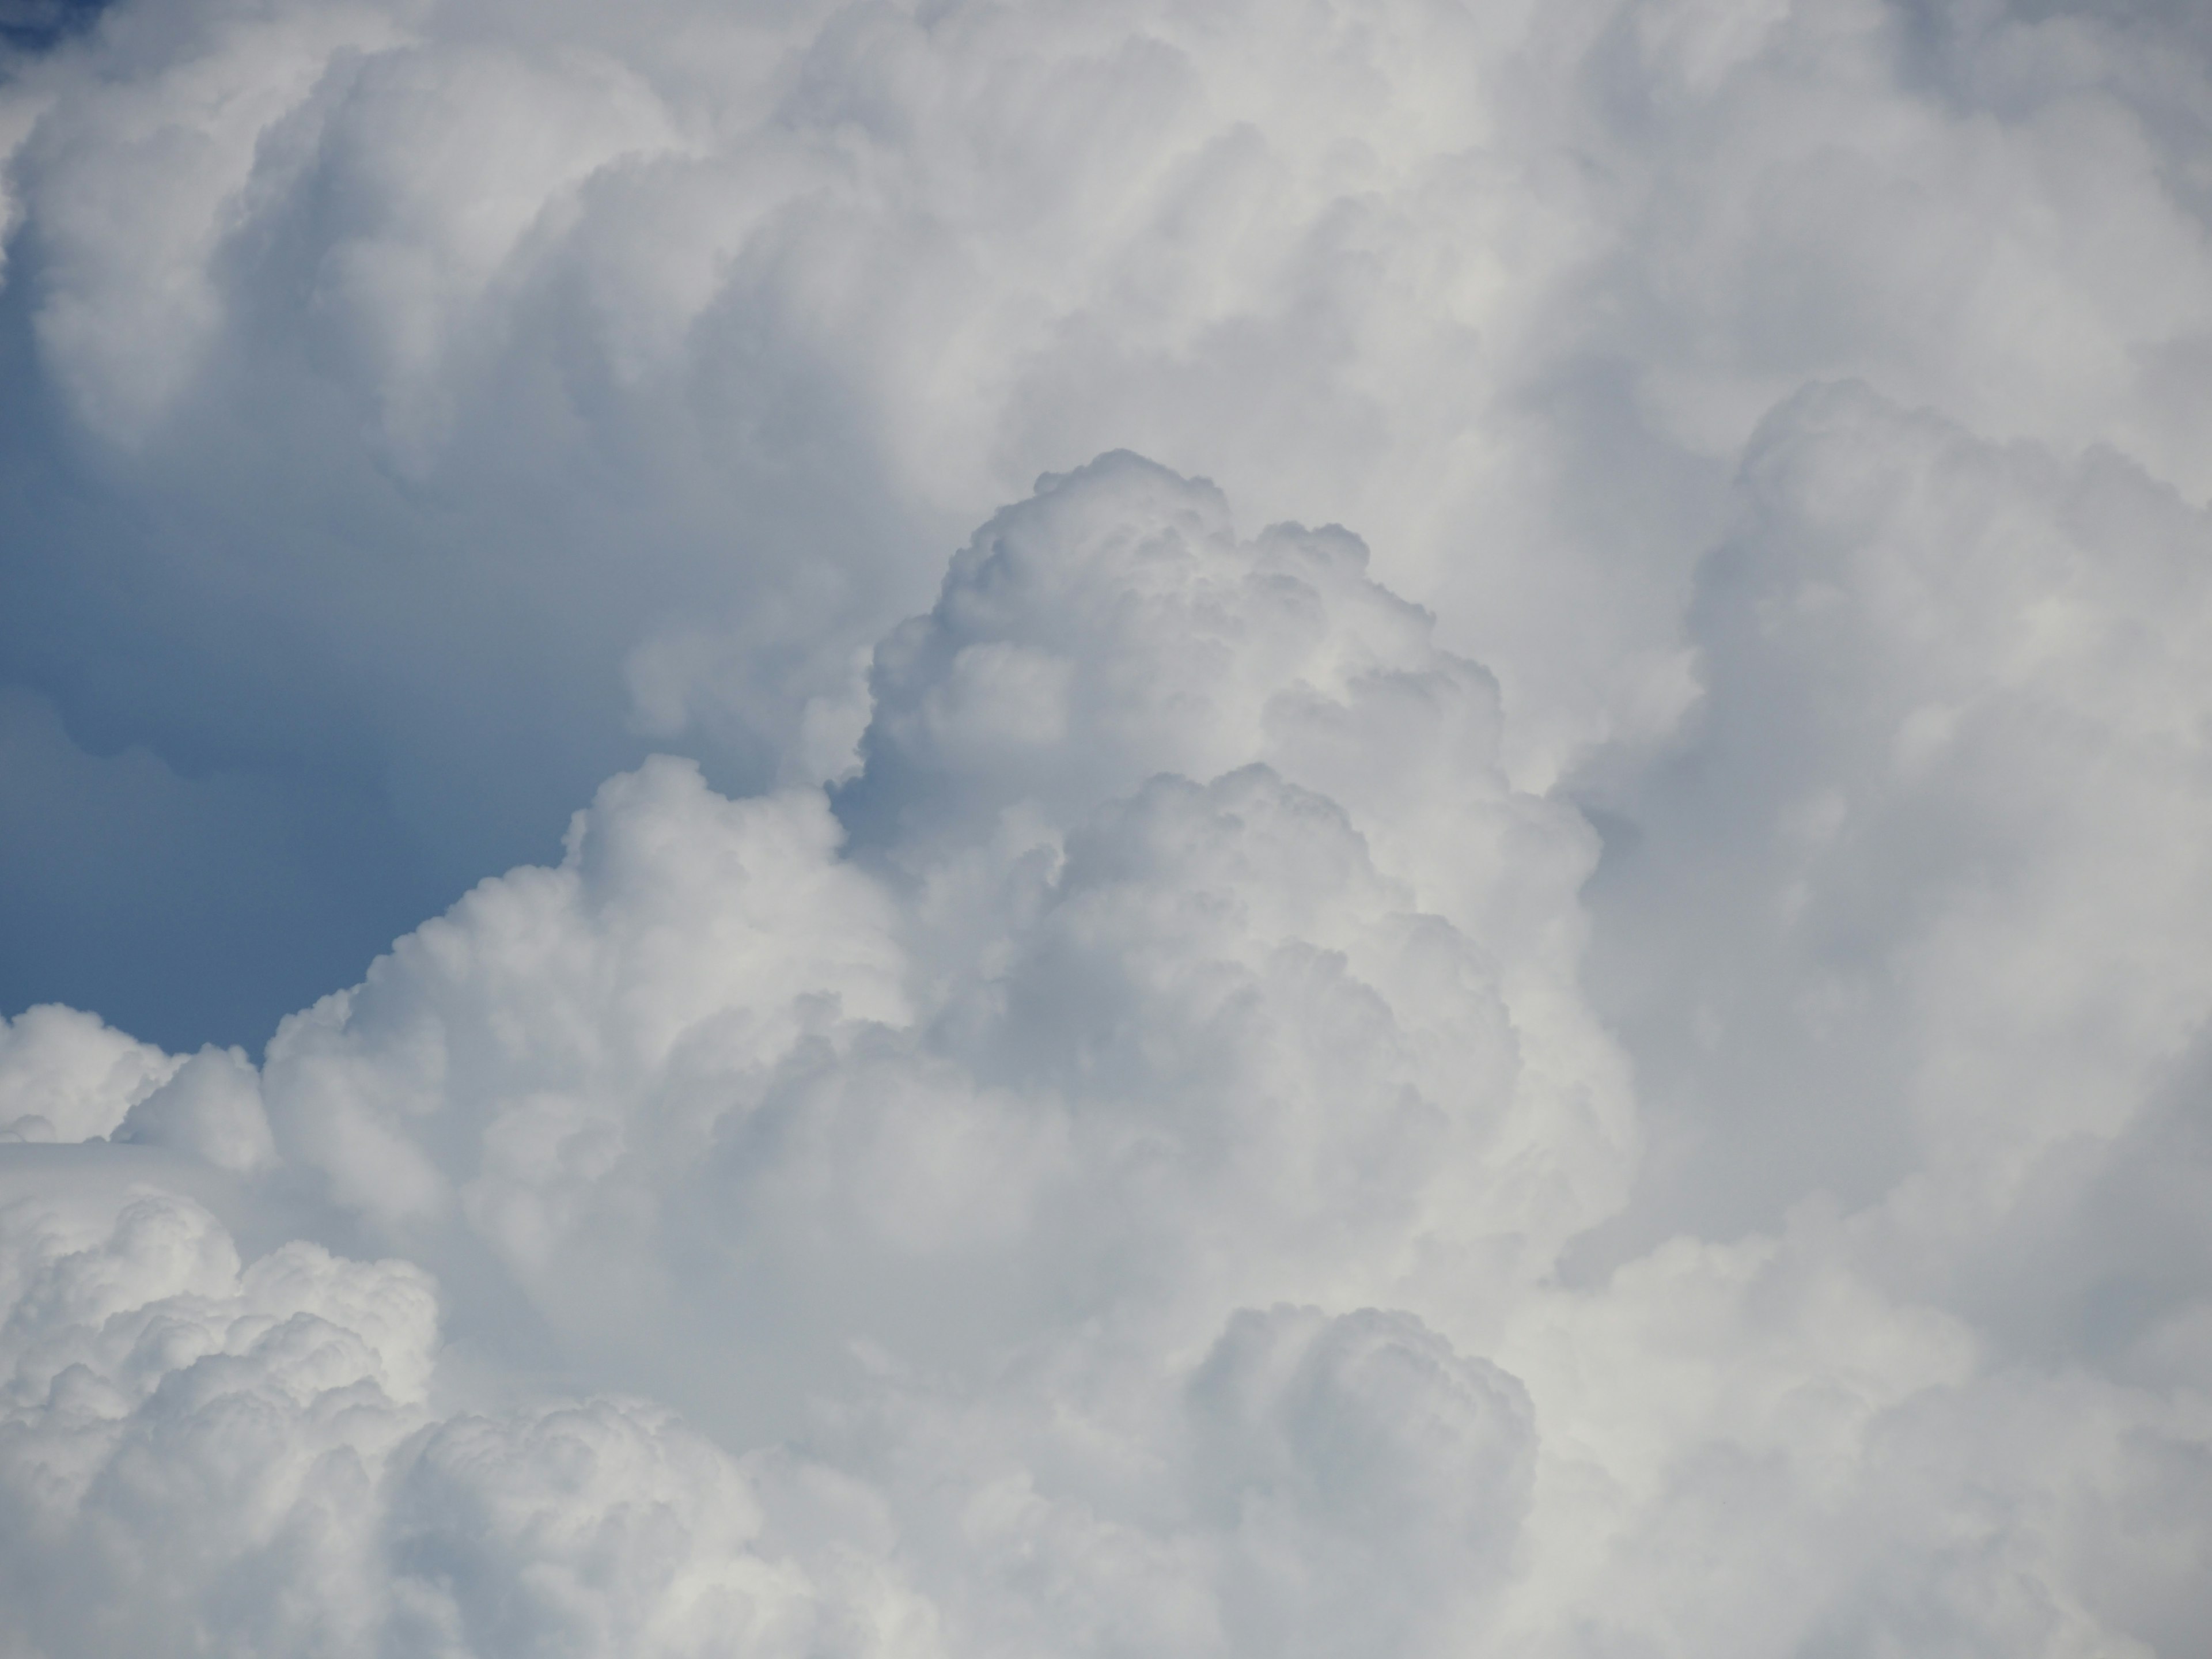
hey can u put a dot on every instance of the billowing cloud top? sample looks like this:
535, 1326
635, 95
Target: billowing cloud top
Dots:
1620, 1076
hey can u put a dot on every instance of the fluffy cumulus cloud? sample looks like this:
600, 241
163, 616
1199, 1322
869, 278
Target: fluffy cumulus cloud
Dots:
1612, 1067
620, 380
68, 1076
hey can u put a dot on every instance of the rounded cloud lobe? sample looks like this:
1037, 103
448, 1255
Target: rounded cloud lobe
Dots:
1620, 1076
68, 1076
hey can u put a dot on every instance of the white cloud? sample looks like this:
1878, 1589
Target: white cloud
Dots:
68, 1076
195, 1455
1113, 1201
757, 306
1159, 1105
210, 1108
188, 1446
1929, 827
1126, 1011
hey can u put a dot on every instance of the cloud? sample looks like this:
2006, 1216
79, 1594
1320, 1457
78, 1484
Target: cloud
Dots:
1084, 1191
1619, 1074
1063, 1015
1900, 937
187, 1444
68, 1076
1927, 823
620, 382
192, 1454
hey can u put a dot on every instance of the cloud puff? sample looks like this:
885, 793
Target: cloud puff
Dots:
199, 1457
602, 1528
1300, 1484
187, 1444
68, 1076
1927, 821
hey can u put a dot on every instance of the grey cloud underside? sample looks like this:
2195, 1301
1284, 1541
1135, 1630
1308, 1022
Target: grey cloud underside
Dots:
1610, 1068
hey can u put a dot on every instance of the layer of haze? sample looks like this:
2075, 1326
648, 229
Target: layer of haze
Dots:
1608, 1063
